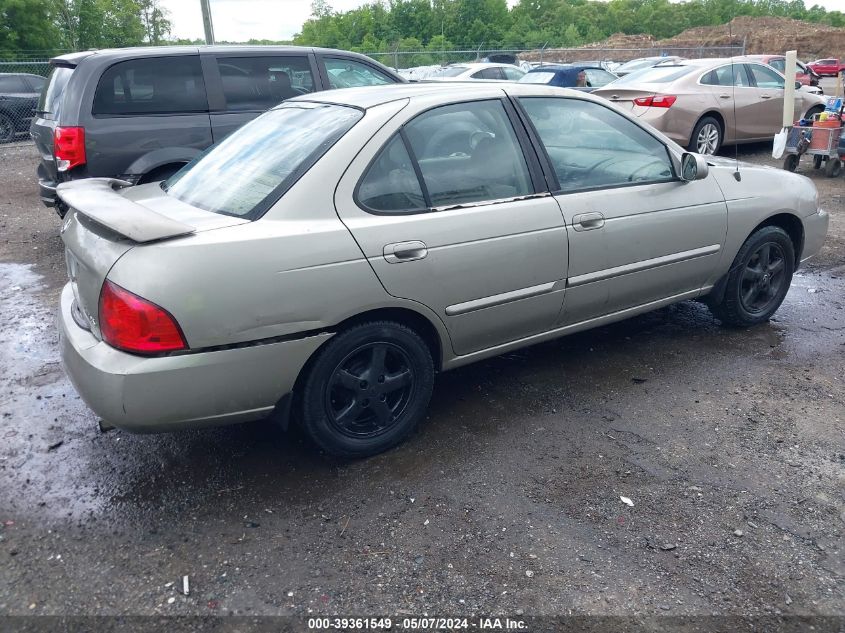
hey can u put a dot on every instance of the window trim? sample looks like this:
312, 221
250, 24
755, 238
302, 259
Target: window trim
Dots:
532, 163
551, 174
151, 114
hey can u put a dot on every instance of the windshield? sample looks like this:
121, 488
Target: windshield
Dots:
542, 77
451, 71
251, 169
51, 97
655, 75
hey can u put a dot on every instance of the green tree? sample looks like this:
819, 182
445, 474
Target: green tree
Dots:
155, 21
23, 28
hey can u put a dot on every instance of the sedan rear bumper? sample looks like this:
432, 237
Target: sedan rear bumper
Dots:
149, 395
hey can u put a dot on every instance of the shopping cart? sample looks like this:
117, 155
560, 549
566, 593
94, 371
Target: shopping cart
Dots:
819, 140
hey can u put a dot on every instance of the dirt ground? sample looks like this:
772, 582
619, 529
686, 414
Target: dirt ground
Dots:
729, 443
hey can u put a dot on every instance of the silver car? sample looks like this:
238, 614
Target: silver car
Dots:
326, 260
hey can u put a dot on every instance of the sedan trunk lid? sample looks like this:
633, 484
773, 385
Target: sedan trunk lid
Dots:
106, 220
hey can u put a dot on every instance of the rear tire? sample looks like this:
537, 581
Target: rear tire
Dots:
367, 389
790, 162
758, 280
817, 161
707, 136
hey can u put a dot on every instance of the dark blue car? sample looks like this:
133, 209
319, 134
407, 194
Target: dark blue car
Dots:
577, 76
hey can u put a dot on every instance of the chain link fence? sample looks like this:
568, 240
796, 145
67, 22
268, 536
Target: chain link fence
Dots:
20, 87
21, 80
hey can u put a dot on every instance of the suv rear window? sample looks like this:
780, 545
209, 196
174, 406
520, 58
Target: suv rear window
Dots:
51, 98
252, 168
154, 85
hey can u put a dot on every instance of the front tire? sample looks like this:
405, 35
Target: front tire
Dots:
367, 389
707, 137
758, 280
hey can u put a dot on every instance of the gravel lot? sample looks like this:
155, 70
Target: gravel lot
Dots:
730, 443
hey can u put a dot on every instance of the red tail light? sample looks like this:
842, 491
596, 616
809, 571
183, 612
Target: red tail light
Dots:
656, 101
133, 324
69, 147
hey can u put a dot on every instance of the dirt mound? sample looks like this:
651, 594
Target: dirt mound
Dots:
760, 35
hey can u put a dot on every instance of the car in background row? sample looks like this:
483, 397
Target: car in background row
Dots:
477, 70
803, 73
585, 78
331, 256
703, 104
827, 67
18, 98
642, 63
140, 114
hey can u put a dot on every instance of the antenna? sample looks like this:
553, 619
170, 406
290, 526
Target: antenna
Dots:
737, 175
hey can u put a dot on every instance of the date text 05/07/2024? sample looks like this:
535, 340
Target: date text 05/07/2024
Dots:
416, 624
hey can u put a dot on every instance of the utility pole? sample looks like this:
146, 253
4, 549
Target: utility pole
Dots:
206, 21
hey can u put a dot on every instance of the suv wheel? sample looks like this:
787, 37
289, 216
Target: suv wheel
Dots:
758, 280
367, 390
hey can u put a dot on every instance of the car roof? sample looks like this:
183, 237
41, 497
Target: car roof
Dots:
557, 67
371, 96
73, 59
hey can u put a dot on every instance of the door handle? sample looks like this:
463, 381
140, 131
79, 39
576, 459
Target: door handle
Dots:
405, 251
765, 96
724, 96
587, 221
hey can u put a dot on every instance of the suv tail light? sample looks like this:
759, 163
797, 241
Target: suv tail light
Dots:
133, 324
656, 101
69, 147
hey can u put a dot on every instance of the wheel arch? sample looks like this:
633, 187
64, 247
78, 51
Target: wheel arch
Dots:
713, 114
785, 220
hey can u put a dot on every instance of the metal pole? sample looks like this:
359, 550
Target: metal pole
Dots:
207, 24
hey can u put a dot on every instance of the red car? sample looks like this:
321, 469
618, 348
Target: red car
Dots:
824, 67
803, 73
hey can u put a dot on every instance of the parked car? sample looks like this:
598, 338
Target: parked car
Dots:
827, 67
329, 257
803, 73
18, 98
577, 76
479, 70
140, 114
703, 104
642, 63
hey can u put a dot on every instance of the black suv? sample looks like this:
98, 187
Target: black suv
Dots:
140, 114
18, 96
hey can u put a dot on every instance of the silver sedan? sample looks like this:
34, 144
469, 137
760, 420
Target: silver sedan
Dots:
325, 261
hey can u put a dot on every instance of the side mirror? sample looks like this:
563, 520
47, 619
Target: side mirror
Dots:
693, 167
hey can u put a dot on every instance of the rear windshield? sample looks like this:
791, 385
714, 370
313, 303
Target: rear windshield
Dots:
655, 75
636, 64
452, 71
51, 97
251, 169
541, 77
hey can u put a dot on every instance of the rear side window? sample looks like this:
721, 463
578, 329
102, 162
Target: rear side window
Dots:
259, 83
155, 85
391, 184
731, 75
489, 73
51, 98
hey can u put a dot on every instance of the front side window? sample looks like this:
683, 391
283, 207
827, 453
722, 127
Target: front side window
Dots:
252, 168
765, 77
779, 65
259, 83
155, 85
592, 147
348, 73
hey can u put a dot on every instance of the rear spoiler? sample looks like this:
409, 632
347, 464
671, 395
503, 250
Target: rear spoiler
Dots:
100, 200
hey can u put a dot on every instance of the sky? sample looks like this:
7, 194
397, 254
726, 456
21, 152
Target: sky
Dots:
241, 20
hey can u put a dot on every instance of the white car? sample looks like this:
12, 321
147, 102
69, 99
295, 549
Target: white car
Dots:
479, 70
